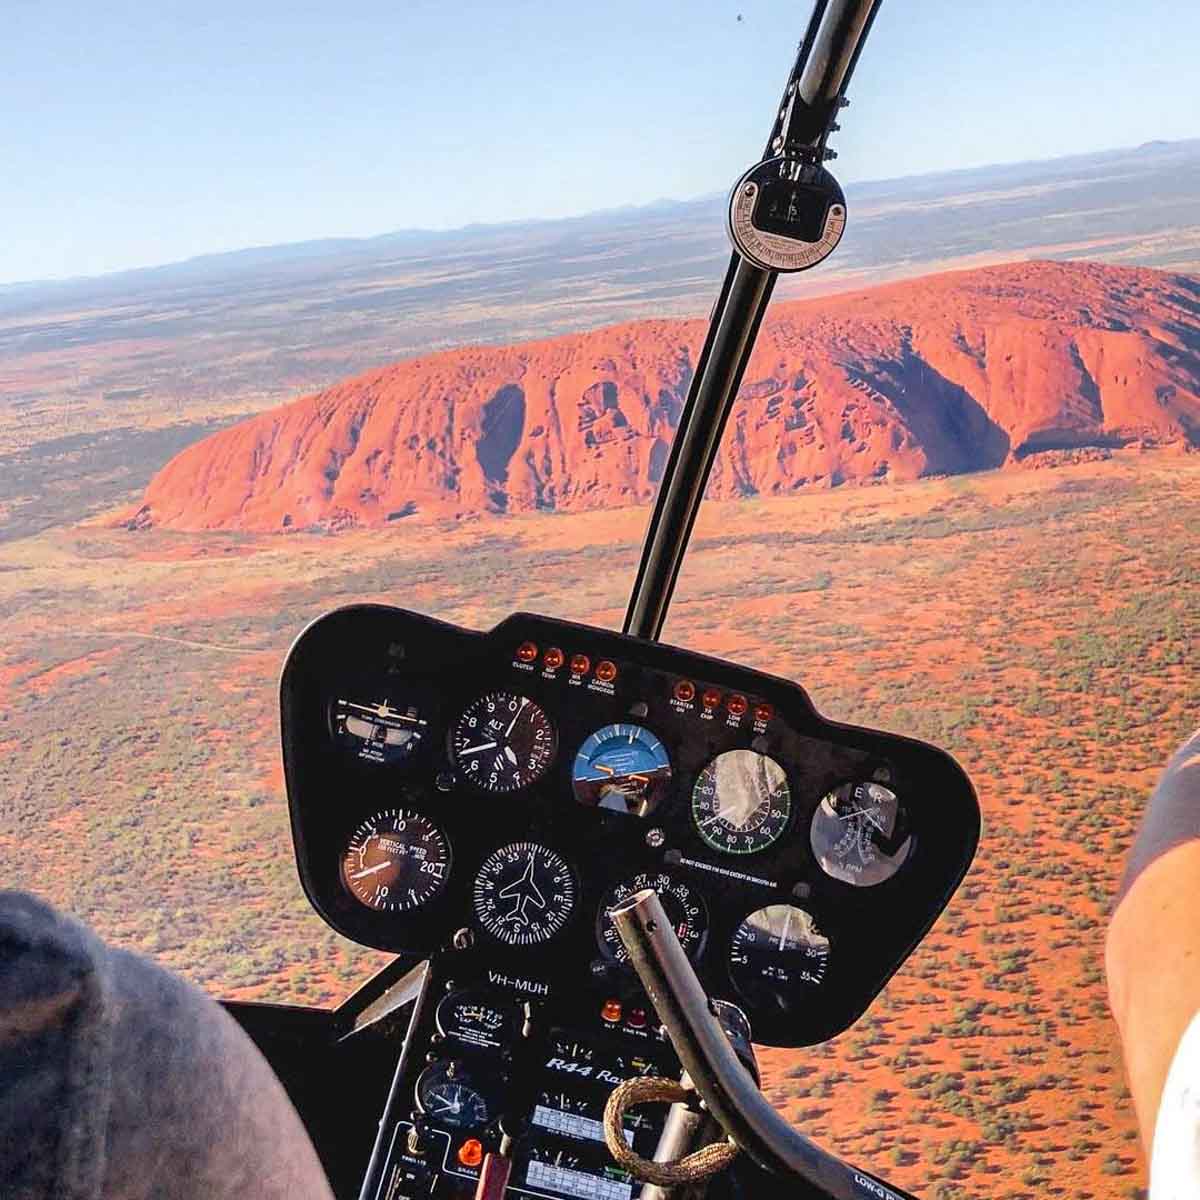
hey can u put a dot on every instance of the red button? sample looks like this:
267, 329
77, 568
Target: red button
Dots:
470, 1153
580, 664
526, 652
553, 658
606, 671
736, 704
685, 690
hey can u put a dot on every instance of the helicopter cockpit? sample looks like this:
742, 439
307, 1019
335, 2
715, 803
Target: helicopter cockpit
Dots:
480, 802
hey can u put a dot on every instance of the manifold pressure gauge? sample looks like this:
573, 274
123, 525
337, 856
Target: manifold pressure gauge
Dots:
786, 215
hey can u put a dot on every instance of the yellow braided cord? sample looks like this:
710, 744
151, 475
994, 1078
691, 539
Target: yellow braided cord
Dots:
691, 1168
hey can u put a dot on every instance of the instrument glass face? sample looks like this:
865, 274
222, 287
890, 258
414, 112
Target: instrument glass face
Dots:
860, 834
524, 894
683, 905
741, 802
447, 1095
622, 768
503, 742
475, 1018
777, 956
378, 731
396, 861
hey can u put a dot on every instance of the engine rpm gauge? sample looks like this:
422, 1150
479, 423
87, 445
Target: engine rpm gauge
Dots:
624, 768
378, 732
396, 861
860, 834
524, 894
682, 904
777, 955
503, 742
741, 802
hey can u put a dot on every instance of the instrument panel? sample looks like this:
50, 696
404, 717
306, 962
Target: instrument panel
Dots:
489, 796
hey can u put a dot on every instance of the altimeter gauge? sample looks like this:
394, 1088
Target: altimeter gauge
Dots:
503, 742
683, 905
741, 802
396, 861
860, 834
778, 955
623, 768
524, 894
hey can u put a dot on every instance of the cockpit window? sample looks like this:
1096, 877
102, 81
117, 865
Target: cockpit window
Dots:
317, 309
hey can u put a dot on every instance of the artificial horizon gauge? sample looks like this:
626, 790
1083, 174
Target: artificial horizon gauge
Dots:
524, 894
683, 905
786, 215
777, 955
450, 1098
474, 1019
860, 834
623, 768
396, 861
503, 742
379, 732
741, 802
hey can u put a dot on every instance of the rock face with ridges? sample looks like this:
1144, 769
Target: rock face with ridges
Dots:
950, 373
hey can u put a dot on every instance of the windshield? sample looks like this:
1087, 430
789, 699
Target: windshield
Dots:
319, 307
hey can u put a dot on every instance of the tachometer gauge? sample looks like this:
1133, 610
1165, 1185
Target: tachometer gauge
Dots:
396, 861
624, 768
741, 802
378, 732
503, 742
524, 894
683, 905
447, 1095
474, 1019
860, 834
777, 955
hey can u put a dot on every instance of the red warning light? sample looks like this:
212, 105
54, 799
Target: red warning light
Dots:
763, 713
736, 704
526, 652
610, 1011
470, 1153
711, 698
637, 1018
580, 664
553, 658
606, 671
685, 690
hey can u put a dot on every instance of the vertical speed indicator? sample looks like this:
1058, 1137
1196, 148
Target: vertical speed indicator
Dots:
396, 861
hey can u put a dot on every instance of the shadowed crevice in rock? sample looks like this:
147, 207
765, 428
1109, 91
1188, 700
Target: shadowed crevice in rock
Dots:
500, 432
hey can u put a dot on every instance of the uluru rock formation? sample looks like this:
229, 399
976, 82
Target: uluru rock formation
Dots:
949, 373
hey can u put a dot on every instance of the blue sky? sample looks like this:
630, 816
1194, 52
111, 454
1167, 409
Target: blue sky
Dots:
137, 133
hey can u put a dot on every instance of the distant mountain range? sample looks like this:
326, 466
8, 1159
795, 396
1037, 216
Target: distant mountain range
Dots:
949, 373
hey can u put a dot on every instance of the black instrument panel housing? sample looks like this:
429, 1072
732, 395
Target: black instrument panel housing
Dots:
369, 650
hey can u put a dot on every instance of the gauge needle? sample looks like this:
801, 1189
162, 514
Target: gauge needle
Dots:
516, 717
606, 770
383, 866
787, 924
478, 749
